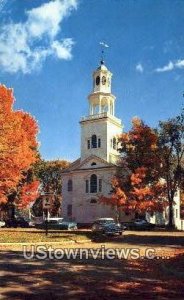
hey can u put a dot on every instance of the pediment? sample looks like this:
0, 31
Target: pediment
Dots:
93, 161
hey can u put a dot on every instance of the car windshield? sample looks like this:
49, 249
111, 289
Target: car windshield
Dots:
140, 221
53, 221
66, 221
105, 221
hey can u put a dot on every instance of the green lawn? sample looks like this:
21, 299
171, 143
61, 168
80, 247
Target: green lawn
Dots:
19, 235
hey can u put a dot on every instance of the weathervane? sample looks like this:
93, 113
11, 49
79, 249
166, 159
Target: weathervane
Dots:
103, 46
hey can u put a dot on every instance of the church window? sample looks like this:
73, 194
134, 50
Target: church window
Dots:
93, 164
100, 185
94, 141
87, 186
93, 184
93, 201
97, 80
88, 144
70, 185
114, 143
99, 143
103, 80
69, 210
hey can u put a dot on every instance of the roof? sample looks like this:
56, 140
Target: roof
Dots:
102, 66
80, 165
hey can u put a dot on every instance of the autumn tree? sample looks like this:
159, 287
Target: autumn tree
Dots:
137, 186
171, 152
49, 174
18, 151
151, 167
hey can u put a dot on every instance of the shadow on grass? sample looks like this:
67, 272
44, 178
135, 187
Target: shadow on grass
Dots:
87, 279
142, 240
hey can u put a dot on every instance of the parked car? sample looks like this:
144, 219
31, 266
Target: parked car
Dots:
107, 226
2, 223
17, 222
139, 224
58, 224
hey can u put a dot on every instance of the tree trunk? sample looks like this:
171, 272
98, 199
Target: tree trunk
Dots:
170, 224
11, 206
117, 214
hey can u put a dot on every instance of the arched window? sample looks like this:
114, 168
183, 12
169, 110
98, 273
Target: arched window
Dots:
93, 164
94, 141
70, 185
114, 143
100, 185
97, 80
103, 80
87, 186
93, 184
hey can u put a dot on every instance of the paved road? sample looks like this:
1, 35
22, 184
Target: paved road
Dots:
99, 278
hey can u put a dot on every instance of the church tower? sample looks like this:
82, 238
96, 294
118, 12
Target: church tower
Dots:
100, 129
90, 175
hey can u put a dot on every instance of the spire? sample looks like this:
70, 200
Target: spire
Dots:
103, 46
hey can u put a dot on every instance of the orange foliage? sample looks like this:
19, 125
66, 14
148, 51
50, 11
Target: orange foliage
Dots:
140, 188
18, 143
138, 176
29, 193
118, 197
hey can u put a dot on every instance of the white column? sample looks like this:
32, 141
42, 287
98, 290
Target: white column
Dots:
111, 109
100, 108
109, 106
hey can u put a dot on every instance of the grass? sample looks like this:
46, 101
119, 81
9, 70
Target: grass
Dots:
35, 236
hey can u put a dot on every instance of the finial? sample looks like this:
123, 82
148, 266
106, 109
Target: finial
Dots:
103, 45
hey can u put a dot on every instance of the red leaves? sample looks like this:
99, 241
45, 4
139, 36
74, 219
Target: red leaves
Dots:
18, 143
118, 197
138, 176
29, 193
138, 186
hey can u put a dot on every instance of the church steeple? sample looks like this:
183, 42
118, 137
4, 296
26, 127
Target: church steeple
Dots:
101, 100
100, 128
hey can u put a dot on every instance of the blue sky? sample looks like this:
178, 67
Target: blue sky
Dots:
49, 49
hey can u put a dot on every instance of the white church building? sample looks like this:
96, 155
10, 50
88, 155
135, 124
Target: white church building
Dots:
91, 174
